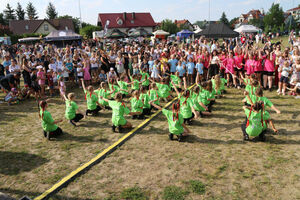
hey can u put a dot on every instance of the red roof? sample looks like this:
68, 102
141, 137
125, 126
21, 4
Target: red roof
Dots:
129, 20
293, 9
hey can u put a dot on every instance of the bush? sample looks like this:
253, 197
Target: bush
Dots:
87, 31
197, 186
174, 193
134, 193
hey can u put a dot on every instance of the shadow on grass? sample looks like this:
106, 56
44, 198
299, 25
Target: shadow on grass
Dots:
286, 132
13, 163
82, 139
21, 193
196, 139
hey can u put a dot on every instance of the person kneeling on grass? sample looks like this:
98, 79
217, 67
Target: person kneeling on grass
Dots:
91, 99
175, 121
118, 111
50, 129
71, 108
255, 124
137, 105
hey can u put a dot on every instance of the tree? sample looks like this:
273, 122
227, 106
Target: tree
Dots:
2, 19
224, 19
169, 26
233, 22
31, 11
87, 31
201, 24
51, 11
9, 13
274, 17
76, 21
20, 12
258, 23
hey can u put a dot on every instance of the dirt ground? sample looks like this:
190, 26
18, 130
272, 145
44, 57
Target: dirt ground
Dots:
149, 166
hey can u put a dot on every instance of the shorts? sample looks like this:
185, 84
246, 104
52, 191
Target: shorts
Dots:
284, 79
79, 77
238, 69
268, 73
94, 69
51, 87
257, 72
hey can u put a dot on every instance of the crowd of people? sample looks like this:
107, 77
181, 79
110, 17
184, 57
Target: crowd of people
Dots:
148, 74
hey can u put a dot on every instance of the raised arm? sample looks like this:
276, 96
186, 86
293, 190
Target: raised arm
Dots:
155, 106
83, 85
177, 92
65, 97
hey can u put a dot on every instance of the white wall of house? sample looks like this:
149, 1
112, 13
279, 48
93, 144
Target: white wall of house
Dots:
124, 30
43, 28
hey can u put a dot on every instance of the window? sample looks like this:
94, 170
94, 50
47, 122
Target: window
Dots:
26, 27
46, 27
132, 21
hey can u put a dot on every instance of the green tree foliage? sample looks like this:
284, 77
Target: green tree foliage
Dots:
224, 19
169, 26
258, 23
87, 31
20, 12
274, 17
2, 20
232, 22
9, 13
31, 11
201, 24
51, 11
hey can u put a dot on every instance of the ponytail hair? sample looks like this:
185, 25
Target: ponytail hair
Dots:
42, 105
175, 108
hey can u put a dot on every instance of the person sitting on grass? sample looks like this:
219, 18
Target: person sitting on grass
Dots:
175, 121
119, 109
103, 92
71, 109
259, 96
123, 85
137, 105
153, 94
12, 97
186, 105
145, 99
50, 129
164, 89
255, 124
93, 106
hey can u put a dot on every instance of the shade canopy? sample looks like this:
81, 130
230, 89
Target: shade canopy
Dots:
138, 32
218, 30
185, 33
247, 29
198, 30
29, 39
160, 32
115, 33
62, 35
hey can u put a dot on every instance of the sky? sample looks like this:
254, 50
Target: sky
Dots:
193, 10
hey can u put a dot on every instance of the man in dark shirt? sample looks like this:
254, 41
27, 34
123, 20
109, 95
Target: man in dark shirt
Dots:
2, 73
10, 81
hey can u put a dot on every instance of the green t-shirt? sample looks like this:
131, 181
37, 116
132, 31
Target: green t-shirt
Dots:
266, 101
136, 105
163, 90
256, 123
145, 79
118, 111
203, 97
195, 102
185, 107
102, 93
116, 90
223, 82
47, 121
135, 85
124, 86
176, 80
153, 94
146, 99
71, 108
175, 125
91, 100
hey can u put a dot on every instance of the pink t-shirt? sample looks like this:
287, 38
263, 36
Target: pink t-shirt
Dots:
258, 66
223, 61
250, 65
230, 63
238, 61
41, 76
269, 65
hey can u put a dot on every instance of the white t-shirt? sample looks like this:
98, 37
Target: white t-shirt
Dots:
59, 65
12, 69
94, 65
53, 67
65, 72
79, 72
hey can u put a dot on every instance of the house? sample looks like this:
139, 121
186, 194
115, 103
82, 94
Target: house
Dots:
295, 12
126, 21
185, 24
252, 14
4, 30
43, 26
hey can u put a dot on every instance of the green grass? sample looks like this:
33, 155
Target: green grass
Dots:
197, 186
134, 193
174, 193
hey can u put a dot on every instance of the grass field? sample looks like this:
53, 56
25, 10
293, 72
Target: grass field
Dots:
213, 163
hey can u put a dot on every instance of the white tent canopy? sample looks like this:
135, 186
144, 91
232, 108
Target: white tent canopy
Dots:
160, 32
247, 29
198, 30
29, 39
